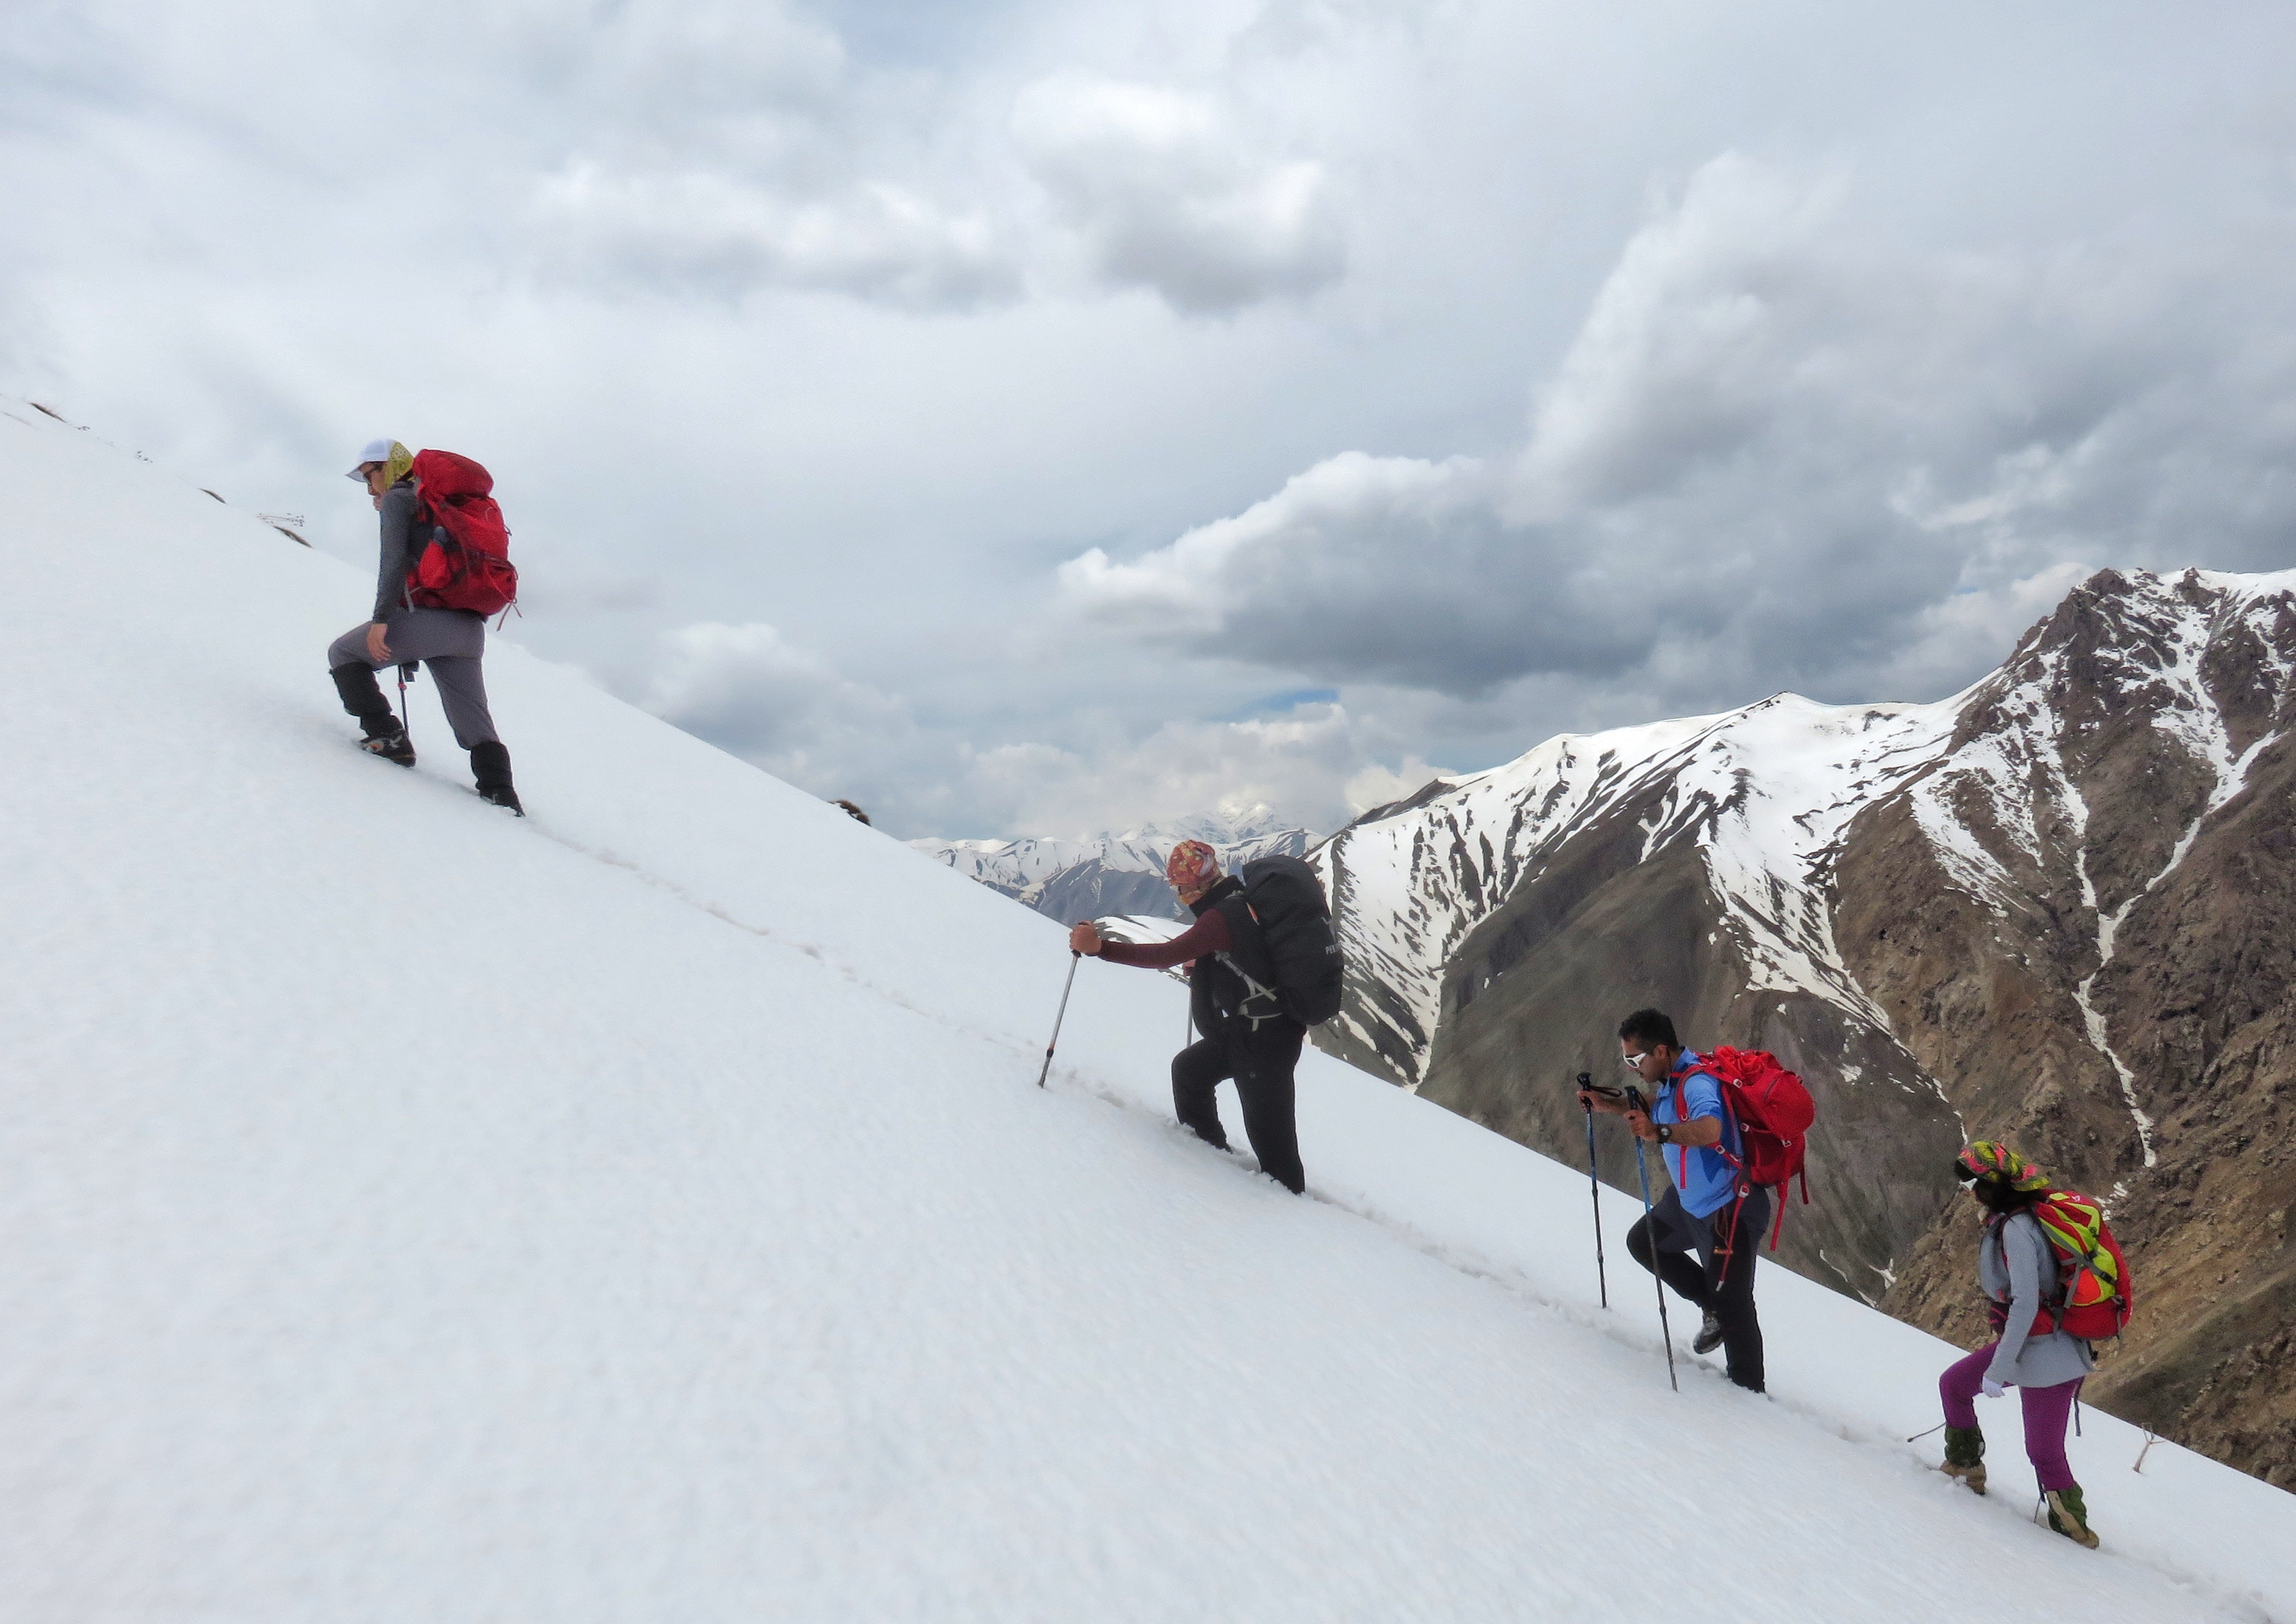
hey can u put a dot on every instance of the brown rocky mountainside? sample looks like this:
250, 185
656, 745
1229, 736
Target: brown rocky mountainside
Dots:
2059, 908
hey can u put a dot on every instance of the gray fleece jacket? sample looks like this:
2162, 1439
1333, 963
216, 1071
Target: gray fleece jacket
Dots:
2016, 1262
398, 505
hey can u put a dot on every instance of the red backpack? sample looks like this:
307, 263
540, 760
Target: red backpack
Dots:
1773, 1112
465, 563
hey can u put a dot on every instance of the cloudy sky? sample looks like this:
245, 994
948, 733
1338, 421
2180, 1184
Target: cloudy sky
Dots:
1042, 416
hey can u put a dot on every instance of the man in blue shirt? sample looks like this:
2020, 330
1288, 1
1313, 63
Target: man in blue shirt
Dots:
1712, 1210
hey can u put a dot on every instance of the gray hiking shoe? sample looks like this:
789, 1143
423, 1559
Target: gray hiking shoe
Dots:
391, 744
1709, 1334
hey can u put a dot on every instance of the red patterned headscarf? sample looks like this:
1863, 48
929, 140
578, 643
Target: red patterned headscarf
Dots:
1192, 867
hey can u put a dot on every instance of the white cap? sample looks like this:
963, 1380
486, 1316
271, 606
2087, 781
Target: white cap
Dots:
374, 451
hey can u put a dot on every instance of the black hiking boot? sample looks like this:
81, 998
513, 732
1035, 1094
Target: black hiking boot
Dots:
363, 699
1709, 1334
388, 739
1964, 1457
490, 766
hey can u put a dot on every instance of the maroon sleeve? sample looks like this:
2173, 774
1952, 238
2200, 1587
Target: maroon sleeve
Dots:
1209, 934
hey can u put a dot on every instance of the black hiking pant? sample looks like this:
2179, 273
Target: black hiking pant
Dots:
1718, 1283
1262, 1063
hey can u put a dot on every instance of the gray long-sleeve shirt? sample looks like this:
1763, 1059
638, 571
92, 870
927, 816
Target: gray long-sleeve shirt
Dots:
398, 505
2015, 1262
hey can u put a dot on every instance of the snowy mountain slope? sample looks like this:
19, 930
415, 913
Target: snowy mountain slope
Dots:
2083, 921
643, 1211
2008, 799
1929, 911
1112, 875
1763, 792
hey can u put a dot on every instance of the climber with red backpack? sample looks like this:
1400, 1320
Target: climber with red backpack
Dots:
445, 567
2054, 1280
1729, 1126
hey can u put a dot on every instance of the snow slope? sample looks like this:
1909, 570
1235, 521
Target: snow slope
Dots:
643, 1211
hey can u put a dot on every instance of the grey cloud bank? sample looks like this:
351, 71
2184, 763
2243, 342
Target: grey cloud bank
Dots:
996, 416
1779, 454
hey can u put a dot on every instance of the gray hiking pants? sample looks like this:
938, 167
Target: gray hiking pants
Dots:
451, 644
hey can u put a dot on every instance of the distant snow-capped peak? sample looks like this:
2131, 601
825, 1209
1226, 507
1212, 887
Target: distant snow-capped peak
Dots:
1117, 872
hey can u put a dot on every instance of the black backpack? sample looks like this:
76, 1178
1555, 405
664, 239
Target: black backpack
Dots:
1284, 949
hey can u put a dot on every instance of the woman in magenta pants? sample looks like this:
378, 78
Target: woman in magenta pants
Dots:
2018, 1271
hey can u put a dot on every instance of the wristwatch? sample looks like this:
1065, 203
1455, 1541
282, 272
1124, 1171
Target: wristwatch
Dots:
1665, 1133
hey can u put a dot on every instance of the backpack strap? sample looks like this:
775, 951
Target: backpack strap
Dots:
1726, 1233
1254, 993
1680, 1079
1681, 1108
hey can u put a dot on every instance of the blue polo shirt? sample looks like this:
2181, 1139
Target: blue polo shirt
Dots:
1706, 1177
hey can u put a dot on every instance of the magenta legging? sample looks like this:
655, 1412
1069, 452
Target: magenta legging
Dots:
2048, 1410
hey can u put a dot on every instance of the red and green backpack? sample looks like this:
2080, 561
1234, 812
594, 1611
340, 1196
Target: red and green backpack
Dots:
2091, 1267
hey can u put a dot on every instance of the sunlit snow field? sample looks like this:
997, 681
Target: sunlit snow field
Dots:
645, 1211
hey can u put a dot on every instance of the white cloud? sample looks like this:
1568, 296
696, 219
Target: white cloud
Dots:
750, 691
1363, 567
1304, 765
1166, 194
725, 148
718, 235
662, 65
1822, 421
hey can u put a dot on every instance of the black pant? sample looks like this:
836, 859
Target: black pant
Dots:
1261, 1062
1718, 1283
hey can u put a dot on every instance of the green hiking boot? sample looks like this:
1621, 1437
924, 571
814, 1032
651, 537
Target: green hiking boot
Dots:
2069, 1517
1964, 1457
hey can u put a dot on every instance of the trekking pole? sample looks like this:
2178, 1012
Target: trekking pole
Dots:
1595, 1194
1641, 1171
1057, 1019
405, 727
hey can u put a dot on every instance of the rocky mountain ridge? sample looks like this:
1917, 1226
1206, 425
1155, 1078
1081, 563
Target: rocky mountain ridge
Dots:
2052, 908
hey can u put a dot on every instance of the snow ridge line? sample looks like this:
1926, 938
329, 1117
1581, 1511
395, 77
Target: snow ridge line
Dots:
782, 938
